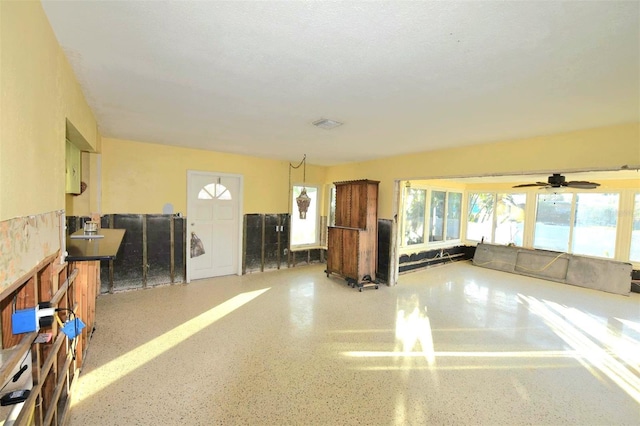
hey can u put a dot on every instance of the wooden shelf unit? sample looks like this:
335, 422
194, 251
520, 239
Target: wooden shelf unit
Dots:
55, 364
352, 244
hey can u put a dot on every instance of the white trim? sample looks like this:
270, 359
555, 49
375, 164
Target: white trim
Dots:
426, 244
190, 174
624, 225
294, 210
98, 184
394, 256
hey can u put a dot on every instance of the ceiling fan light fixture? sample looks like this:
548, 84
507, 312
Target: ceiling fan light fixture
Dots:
556, 181
554, 189
326, 124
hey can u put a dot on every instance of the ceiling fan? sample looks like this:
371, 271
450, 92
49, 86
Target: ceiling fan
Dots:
556, 180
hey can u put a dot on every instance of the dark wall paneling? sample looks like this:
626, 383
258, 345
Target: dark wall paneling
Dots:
148, 256
384, 249
285, 221
106, 276
179, 246
106, 221
75, 223
158, 249
271, 241
128, 266
106, 267
469, 251
316, 255
424, 259
253, 243
266, 242
307, 257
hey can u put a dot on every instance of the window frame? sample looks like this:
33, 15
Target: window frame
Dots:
294, 211
494, 214
572, 221
632, 199
426, 244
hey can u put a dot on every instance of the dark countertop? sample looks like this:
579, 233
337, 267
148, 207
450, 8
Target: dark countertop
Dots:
104, 248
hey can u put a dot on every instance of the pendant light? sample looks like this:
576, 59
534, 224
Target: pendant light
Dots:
303, 200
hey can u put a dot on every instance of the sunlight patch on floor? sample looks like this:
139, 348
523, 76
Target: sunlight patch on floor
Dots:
600, 357
103, 376
472, 354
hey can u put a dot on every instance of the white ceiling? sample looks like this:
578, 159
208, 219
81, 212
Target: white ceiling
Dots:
251, 77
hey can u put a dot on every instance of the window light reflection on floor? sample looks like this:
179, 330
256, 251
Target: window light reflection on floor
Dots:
602, 350
631, 324
596, 355
109, 373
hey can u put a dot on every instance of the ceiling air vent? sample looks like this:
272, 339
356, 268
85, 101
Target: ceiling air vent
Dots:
326, 124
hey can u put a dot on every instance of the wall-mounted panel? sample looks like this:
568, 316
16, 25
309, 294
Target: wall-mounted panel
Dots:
384, 249
253, 243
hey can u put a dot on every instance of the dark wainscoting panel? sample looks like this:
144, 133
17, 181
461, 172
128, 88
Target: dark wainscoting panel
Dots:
384, 249
424, 259
147, 257
252, 243
128, 267
271, 241
266, 239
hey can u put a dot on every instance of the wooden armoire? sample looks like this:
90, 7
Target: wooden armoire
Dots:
352, 244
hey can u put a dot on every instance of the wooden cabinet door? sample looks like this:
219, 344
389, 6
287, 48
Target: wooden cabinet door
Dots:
350, 253
343, 205
334, 250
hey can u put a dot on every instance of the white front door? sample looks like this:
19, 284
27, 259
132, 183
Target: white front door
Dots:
214, 209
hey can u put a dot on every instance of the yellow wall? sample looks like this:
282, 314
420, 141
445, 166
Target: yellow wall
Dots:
39, 92
141, 177
594, 149
438, 183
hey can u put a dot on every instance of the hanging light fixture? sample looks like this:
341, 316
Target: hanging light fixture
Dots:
303, 200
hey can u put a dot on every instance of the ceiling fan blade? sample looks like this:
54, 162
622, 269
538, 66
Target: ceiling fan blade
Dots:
581, 184
528, 185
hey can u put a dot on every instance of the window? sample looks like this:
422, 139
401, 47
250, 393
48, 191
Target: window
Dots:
510, 219
332, 206
634, 255
304, 232
577, 223
553, 222
214, 191
594, 229
436, 216
454, 206
435, 213
480, 216
414, 203
496, 218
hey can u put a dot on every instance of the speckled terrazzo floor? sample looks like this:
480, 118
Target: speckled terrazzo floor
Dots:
456, 344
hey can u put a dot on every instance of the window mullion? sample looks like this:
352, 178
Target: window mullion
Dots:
572, 222
427, 218
494, 219
624, 232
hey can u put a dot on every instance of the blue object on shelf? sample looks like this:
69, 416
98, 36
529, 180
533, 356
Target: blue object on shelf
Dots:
72, 328
24, 321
